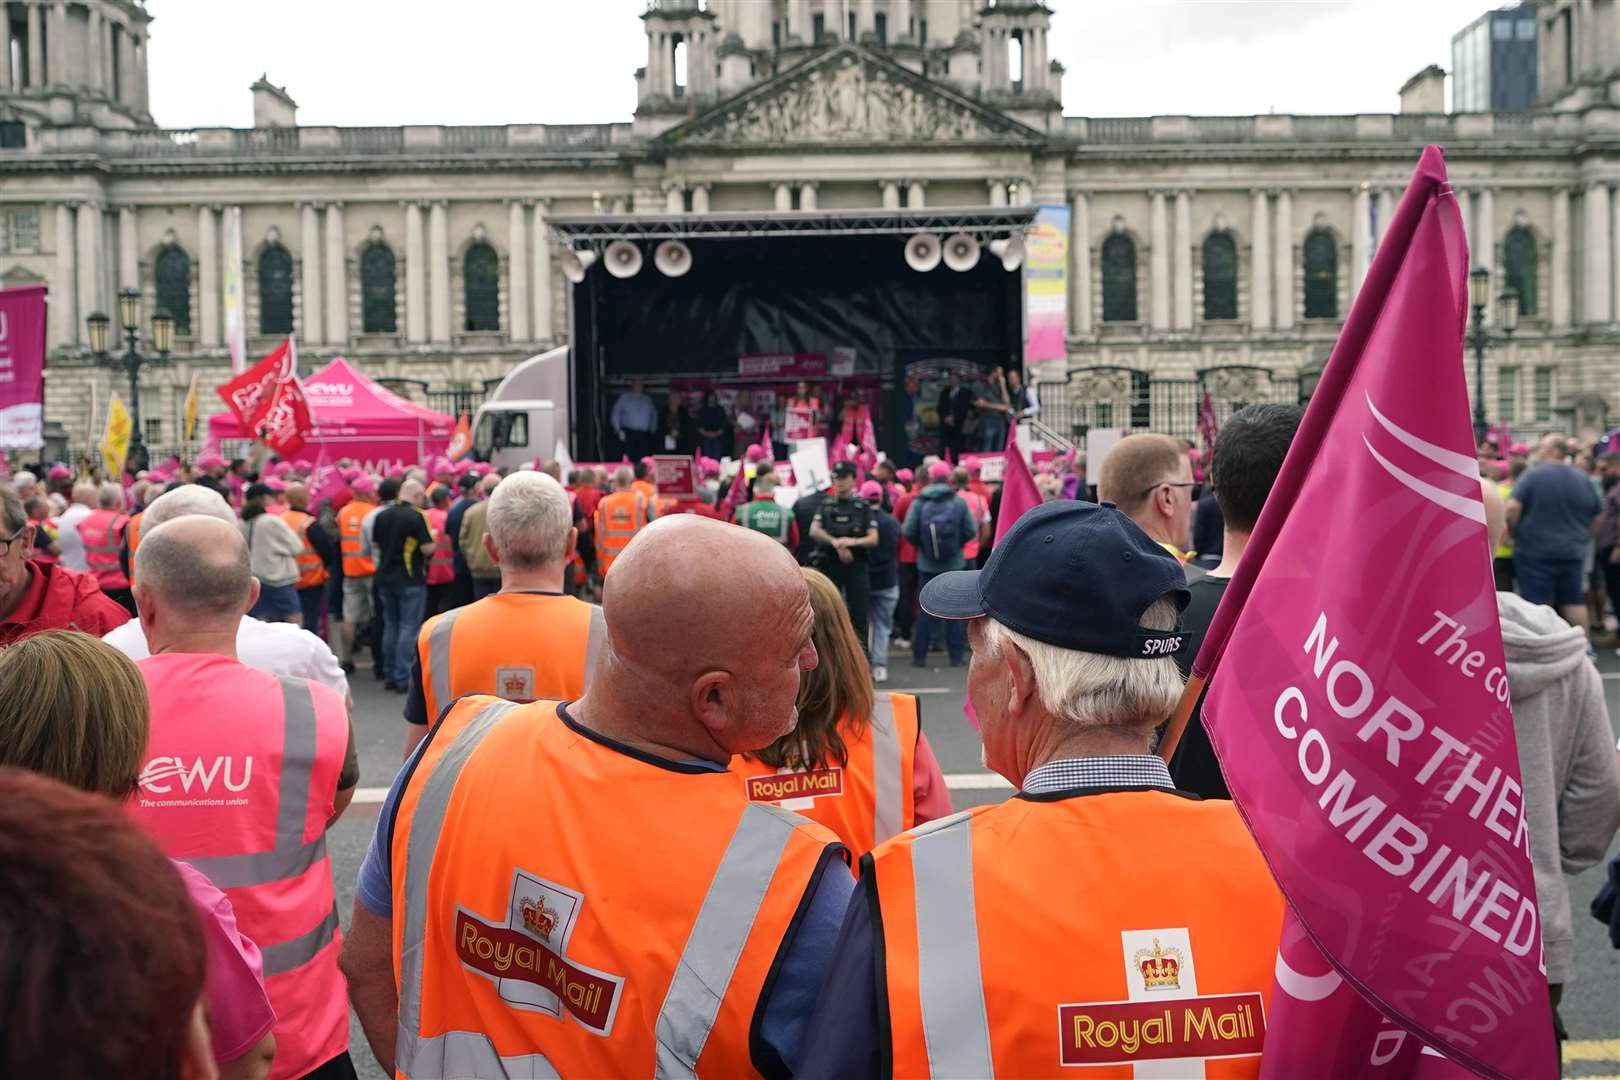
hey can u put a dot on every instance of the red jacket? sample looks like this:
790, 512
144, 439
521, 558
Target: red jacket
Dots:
61, 599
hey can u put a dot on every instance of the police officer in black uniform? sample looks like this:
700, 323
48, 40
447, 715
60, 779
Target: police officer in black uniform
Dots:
845, 530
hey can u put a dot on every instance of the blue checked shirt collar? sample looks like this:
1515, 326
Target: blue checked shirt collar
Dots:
1108, 771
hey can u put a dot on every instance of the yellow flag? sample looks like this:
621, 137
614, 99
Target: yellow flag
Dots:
115, 440
191, 410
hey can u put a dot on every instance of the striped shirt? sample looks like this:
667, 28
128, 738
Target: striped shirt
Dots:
1108, 771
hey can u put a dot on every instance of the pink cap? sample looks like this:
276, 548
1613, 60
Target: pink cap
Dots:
755, 452
350, 473
709, 466
442, 467
1502, 463
396, 473
462, 466
939, 471
872, 490
483, 468
363, 483
972, 467
1518, 449
276, 483
59, 472
281, 468
905, 476
209, 460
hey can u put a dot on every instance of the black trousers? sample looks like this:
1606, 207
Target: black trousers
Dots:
905, 609
854, 580
339, 1068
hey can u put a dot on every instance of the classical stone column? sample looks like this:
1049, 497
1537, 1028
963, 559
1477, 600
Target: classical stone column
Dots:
439, 267
1260, 261
1614, 273
542, 275
5, 48
1080, 263
517, 269
311, 257
1389, 200
88, 216
700, 198
36, 54
1360, 239
891, 195
57, 42
64, 286
799, 20
1562, 259
1024, 190
674, 198
1596, 286
1482, 245
142, 90
1182, 250
95, 77
917, 194
807, 194
208, 285
1159, 265
416, 312
864, 22
783, 195
129, 248
998, 192
126, 70
337, 277
1283, 265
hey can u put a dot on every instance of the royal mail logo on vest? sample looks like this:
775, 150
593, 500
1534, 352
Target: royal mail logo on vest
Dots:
526, 956
796, 790
1164, 1018
515, 684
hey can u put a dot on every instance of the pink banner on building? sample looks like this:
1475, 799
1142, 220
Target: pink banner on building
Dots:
1046, 285
792, 365
1359, 702
22, 368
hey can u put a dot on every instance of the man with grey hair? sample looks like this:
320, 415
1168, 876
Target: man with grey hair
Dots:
279, 648
1074, 624
36, 596
486, 576
244, 773
102, 531
84, 503
529, 640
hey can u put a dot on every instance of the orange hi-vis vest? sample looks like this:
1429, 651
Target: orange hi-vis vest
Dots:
619, 516
100, 531
311, 570
1106, 929
646, 487
521, 646
132, 541
865, 801
349, 520
247, 804
533, 937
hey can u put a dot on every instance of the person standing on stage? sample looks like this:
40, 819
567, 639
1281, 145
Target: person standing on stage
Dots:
713, 427
995, 407
634, 419
846, 532
955, 406
801, 415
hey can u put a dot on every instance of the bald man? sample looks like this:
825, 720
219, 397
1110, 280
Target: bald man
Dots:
243, 776
320, 551
595, 848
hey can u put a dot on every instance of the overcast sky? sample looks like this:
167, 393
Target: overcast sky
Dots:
360, 62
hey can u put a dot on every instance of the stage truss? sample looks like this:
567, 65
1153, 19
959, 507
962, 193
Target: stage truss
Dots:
594, 230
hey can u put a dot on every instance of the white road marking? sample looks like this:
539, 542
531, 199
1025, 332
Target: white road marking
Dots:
971, 781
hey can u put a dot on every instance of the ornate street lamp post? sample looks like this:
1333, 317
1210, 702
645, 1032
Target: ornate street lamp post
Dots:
1507, 317
129, 320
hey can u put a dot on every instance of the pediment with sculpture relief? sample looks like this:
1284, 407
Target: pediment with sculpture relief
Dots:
849, 96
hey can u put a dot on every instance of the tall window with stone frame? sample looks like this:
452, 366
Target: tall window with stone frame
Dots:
481, 274
1119, 279
275, 291
1519, 266
171, 274
1220, 276
377, 282
1321, 275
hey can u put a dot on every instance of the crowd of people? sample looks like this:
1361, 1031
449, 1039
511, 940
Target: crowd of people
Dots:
656, 813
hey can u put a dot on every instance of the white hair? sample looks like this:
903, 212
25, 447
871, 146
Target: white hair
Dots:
529, 519
23, 479
623, 477
187, 499
110, 496
1093, 689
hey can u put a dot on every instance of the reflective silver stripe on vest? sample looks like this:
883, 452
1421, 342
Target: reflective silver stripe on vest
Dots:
292, 855
438, 672
410, 1046
888, 805
289, 955
595, 641
470, 1053
950, 982
716, 943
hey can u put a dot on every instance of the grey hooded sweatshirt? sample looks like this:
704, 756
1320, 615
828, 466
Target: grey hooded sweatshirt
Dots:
1566, 756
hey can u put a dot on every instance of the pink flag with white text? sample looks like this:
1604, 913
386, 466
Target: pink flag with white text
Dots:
1359, 705
1018, 490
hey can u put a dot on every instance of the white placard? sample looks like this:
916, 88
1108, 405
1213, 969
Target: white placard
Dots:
811, 470
1098, 442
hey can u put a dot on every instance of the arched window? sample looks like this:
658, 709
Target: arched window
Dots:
172, 273
482, 270
1321, 275
275, 291
1220, 276
377, 290
1519, 267
1119, 279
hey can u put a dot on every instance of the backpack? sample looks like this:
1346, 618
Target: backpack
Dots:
940, 529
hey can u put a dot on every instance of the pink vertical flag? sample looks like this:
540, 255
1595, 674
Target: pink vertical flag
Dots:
326, 481
1018, 491
1359, 705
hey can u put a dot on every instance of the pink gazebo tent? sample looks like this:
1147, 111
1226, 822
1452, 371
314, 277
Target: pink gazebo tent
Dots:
360, 419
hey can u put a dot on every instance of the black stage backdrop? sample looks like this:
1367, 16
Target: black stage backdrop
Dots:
792, 294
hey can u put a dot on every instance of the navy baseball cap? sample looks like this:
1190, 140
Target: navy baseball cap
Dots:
1077, 575
843, 468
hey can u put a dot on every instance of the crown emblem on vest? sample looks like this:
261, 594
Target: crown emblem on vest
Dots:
1161, 968
514, 685
538, 917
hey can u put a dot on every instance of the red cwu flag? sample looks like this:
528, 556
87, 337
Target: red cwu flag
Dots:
249, 394
1359, 704
285, 422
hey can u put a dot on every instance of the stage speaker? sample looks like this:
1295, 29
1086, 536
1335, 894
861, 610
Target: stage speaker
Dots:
622, 259
923, 252
961, 252
1009, 251
575, 261
672, 258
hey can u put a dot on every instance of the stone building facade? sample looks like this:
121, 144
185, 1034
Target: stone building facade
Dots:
1225, 250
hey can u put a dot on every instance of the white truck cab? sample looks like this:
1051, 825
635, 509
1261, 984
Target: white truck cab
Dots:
527, 414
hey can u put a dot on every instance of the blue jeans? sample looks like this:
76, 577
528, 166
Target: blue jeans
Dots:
312, 600
880, 616
992, 433
1554, 582
402, 619
922, 634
